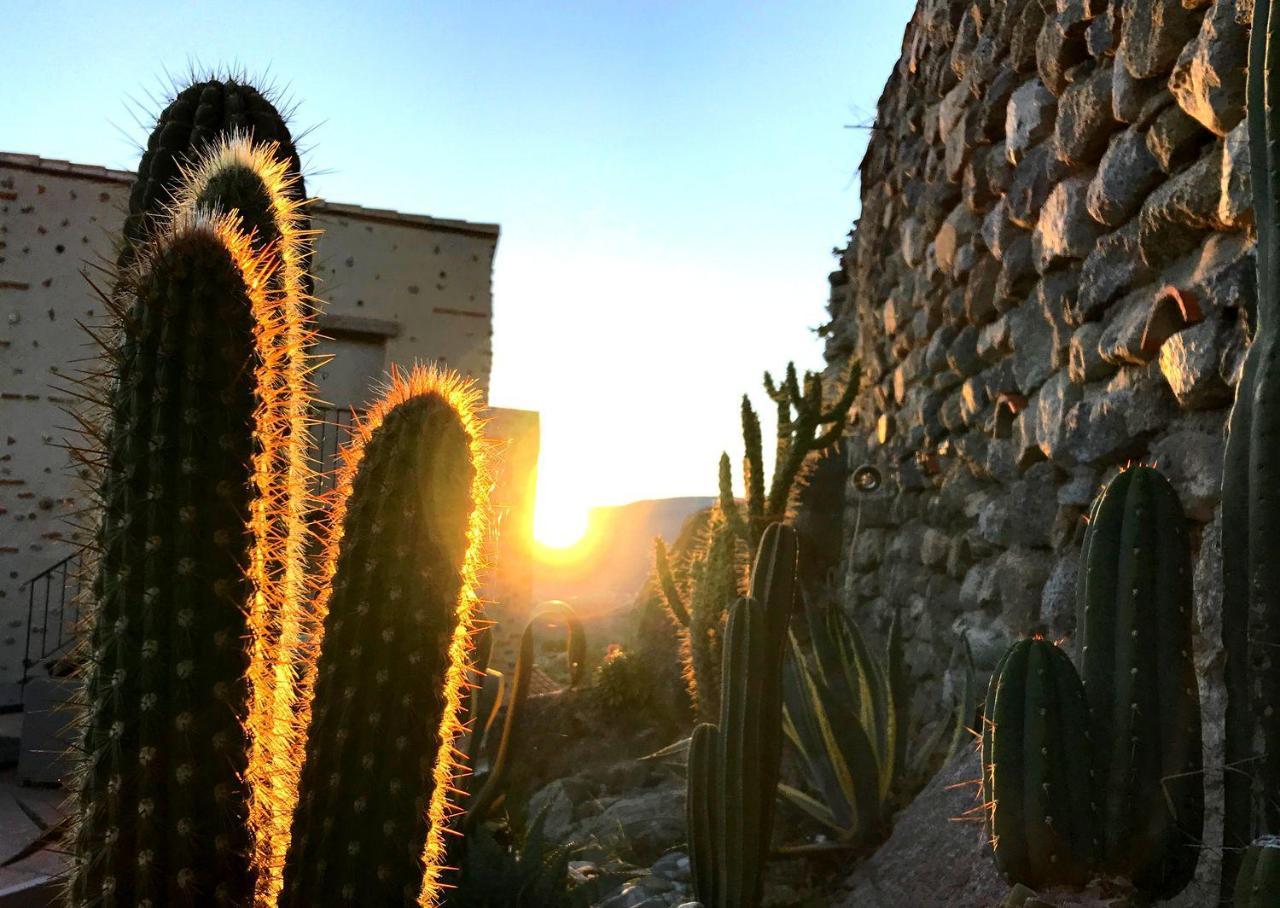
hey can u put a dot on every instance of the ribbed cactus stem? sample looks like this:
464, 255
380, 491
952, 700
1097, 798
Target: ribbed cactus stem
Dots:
1036, 764
374, 793
1257, 885
164, 797
733, 772
1140, 677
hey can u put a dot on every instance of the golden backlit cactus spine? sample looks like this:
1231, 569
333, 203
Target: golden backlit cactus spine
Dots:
198, 546
390, 665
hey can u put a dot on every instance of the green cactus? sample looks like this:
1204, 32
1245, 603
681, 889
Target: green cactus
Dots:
164, 805
1140, 677
1257, 883
197, 118
698, 594
1036, 762
374, 791
1250, 509
733, 767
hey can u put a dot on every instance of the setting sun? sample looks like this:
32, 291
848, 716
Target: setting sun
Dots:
559, 524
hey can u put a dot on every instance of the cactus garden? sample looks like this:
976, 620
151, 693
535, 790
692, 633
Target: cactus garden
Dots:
981, 609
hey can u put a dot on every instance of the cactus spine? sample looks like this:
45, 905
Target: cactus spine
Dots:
1036, 762
733, 768
1250, 510
390, 670
1258, 883
1140, 678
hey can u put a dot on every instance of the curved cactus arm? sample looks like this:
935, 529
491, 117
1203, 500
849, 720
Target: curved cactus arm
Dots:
667, 580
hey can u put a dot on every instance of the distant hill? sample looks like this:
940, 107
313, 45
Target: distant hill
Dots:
609, 567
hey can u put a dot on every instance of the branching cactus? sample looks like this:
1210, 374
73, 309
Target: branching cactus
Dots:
390, 667
1258, 883
1140, 678
1251, 499
733, 767
1036, 768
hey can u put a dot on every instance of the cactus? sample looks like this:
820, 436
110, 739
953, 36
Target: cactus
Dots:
1257, 884
200, 544
1036, 761
1250, 511
1140, 678
197, 118
698, 597
389, 668
733, 767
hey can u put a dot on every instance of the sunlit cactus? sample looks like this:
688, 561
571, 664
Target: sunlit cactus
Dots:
1036, 768
1139, 674
390, 667
200, 116
194, 570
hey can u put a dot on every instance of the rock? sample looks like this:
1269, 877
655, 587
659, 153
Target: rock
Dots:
1152, 34
1023, 35
1055, 399
959, 226
993, 340
1095, 431
556, 802
1174, 138
980, 291
1060, 46
1033, 180
1084, 120
1103, 36
1124, 336
1017, 273
1176, 214
1191, 362
1208, 79
913, 241
1028, 118
962, 354
998, 231
935, 356
1127, 173
1085, 362
1032, 341
1130, 95
1148, 403
1192, 460
1010, 520
1114, 266
1019, 574
641, 825
1235, 203
1065, 230
1058, 598
934, 548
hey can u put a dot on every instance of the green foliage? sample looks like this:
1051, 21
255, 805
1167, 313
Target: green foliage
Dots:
533, 873
1250, 502
1140, 677
1036, 768
733, 767
698, 594
619, 686
848, 716
162, 802
1257, 884
362, 820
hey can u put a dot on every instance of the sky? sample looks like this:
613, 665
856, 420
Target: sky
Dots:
670, 180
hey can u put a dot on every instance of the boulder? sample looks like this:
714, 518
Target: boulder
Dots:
1028, 118
1128, 172
1152, 35
1208, 79
1065, 230
1084, 119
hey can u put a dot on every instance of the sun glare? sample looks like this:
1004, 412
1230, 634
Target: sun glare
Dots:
559, 524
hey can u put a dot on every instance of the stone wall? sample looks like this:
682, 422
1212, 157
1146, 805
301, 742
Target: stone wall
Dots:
1052, 276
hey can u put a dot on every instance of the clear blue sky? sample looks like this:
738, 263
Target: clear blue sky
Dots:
670, 178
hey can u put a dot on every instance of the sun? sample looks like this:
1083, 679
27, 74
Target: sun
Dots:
559, 524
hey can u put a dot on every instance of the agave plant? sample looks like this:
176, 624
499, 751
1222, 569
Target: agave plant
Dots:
848, 716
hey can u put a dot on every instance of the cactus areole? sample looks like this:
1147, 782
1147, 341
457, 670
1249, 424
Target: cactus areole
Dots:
390, 672
1140, 678
1036, 768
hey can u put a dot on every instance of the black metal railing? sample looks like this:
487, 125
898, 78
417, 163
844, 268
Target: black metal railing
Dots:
330, 429
53, 611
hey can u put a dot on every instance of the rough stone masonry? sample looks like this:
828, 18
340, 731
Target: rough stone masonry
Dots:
1052, 276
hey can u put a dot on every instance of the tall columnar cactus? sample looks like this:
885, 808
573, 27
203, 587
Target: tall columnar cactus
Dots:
390, 670
1257, 884
193, 581
1036, 768
1251, 500
1140, 678
733, 767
